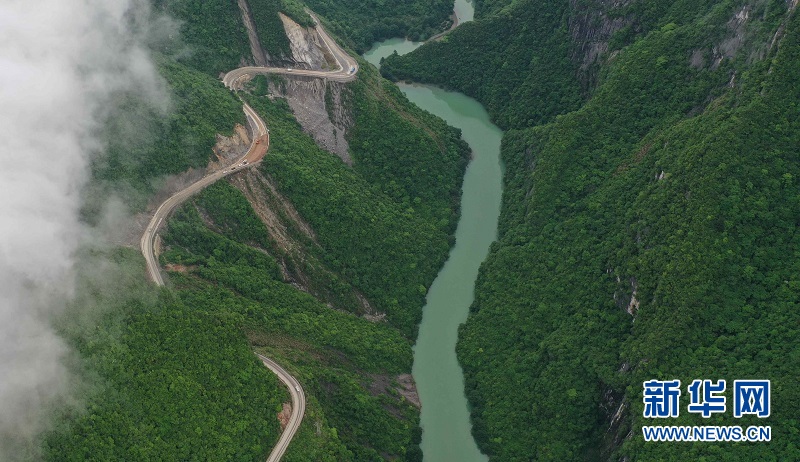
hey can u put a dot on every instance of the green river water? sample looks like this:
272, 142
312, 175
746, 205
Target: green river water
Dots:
445, 416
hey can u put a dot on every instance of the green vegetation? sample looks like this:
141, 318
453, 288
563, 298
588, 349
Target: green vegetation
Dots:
364, 22
664, 193
311, 339
485, 8
383, 229
516, 63
296, 10
144, 143
168, 381
269, 27
386, 249
247, 276
228, 208
214, 33
347, 417
410, 155
649, 16
670, 193
171, 373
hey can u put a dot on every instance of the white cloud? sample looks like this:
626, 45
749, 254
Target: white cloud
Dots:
61, 63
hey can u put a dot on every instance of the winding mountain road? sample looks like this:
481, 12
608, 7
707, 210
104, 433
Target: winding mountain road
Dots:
298, 408
346, 71
347, 66
258, 148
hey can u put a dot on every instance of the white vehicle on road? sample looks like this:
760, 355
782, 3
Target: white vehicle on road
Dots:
297, 388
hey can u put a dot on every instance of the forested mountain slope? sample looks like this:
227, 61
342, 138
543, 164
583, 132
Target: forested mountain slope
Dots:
650, 233
515, 62
321, 265
363, 22
217, 36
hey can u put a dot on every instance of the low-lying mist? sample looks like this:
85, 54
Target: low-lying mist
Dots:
62, 63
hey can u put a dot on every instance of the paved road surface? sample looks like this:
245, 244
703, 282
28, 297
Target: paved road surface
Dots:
347, 70
298, 407
258, 148
347, 67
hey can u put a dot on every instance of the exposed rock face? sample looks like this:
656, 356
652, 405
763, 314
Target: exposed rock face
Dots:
317, 106
408, 389
308, 49
316, 103
736, 25
402, 384
230, 148
593, 23
618, 430
591, 28
285, 415
259, 55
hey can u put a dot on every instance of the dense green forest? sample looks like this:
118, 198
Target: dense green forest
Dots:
145, 143
411, 156
385, 247
213, 38
161, 380
269, 27
364, 22
334, 354
171, 374
383, 227
650, 233
485, 8
515, 62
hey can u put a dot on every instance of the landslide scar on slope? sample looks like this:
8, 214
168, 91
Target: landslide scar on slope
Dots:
298, 246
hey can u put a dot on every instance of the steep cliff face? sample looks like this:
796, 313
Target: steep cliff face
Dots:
752, 26
257, 50
318, 107
591, 27
308, 49
316, 103
530, 60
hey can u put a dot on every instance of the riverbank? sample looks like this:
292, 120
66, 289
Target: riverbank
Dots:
445, 417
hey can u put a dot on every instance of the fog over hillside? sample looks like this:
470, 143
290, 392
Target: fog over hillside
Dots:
61, 62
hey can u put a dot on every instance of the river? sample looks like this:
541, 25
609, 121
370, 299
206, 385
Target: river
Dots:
444, 417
